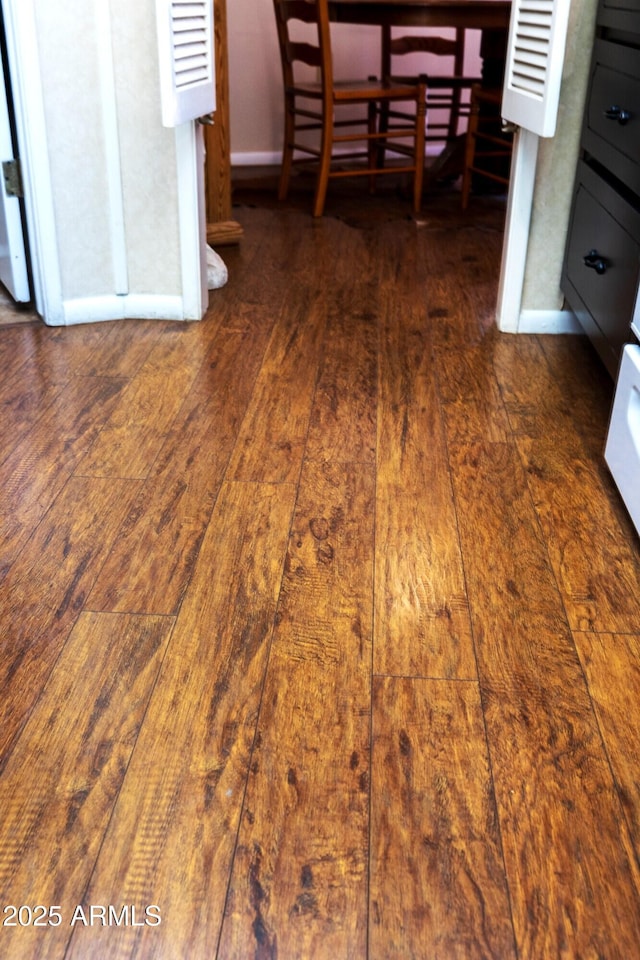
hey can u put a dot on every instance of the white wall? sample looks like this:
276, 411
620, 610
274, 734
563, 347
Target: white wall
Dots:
114, 201
71, 42
557, 158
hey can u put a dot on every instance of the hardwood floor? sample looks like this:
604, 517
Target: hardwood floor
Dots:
320, 619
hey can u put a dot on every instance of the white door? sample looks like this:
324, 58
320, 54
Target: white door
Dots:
13, 258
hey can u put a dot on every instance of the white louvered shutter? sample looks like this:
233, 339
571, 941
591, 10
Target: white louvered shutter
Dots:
535, 59
187, 59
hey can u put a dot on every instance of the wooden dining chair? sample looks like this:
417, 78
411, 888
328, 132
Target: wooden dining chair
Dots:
313, 105
488, 147
441, 60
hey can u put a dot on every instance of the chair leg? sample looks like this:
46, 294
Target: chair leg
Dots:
454, 113
287, 149
322, 181
469, 152
383, 126
373, 145
419, 146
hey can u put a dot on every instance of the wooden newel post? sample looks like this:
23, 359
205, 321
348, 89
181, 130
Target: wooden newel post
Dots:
221, 229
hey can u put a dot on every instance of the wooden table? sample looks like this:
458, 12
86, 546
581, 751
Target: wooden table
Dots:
474, 14
490, 16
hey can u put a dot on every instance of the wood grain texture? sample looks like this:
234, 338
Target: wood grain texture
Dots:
612, 667
40, 464
541, 389
17, 345
266, 785
583, 378
270, 445
593, 548
45, 590
299, 883
173, 833
127, 348
131, 438
58, 789
460, 264
67, 351
437, 881
343, 418
154, 556
571, 871
472, 402
422, 625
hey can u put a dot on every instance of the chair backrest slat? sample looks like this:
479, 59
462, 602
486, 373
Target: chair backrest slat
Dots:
437, 46
293, 51
303, 53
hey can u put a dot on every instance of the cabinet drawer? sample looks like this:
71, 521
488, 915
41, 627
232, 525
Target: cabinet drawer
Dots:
612, 117
620, 15
601, 269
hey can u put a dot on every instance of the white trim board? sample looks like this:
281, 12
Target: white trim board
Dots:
112, 307
112, 150
548, 321
190, 157
273, 158
516, 234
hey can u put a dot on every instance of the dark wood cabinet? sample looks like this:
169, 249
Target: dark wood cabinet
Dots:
602, 260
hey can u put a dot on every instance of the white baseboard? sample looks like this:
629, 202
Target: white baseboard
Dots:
131, 307
258, 158
264, 158
548, 321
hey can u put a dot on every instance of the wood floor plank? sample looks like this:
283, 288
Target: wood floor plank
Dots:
545, 397
44, 592
581, 375
66, 351
461, 268
132, 437
343, 417
125, 347
271, 441
244, 812
154, 556
571, 870
612, 667
472, 402
17, 344
58, 789
422, 625
42, 461
23, 399
438, 887
153, 559
299, 881
593, 548
173, 832
532, 395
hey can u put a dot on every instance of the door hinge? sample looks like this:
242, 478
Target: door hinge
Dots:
12, 178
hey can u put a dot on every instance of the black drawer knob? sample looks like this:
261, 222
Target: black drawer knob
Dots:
617, 113
595, 262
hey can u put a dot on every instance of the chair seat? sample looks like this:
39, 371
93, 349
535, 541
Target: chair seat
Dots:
358, 91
